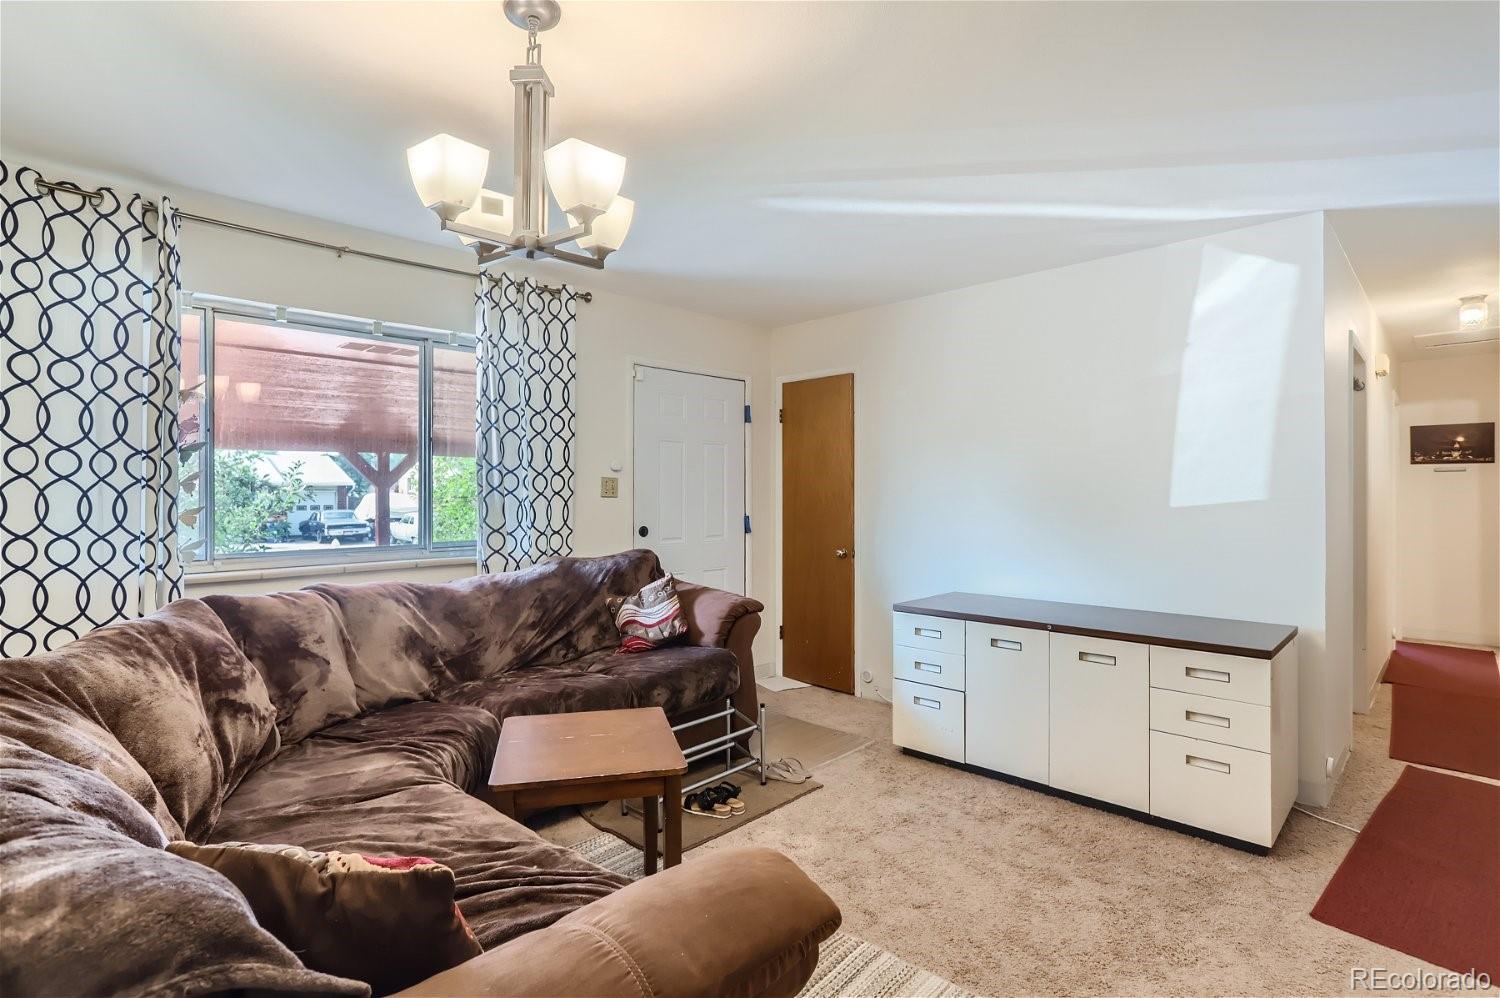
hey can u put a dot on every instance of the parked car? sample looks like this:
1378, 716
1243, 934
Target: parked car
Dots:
404, 529
340, 525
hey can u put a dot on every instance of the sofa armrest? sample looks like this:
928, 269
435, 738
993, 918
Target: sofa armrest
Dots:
710, 614
719, 619
735, 922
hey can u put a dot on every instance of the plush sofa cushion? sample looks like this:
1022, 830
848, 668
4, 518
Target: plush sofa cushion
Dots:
298, 643
359, 760
509, 881
410, 639
675, 679
165, 706
92, 904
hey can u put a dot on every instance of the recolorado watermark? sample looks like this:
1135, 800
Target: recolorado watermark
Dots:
1384, 979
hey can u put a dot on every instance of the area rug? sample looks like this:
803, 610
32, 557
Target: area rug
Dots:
1445, 707
787, 737
1423, 876
847, 965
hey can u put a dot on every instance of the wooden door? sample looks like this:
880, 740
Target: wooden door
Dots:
817, 517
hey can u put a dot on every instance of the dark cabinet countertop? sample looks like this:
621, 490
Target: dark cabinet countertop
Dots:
1211, 634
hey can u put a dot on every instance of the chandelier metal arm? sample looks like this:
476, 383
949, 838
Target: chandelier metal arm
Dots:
593, 263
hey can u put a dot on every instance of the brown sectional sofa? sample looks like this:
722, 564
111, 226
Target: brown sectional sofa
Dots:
362, 718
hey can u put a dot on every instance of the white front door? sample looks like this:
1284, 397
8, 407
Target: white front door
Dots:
690, 474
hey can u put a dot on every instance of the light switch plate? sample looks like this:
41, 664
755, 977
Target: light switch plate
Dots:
609, 488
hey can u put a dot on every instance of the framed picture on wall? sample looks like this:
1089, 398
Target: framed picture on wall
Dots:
1453, 443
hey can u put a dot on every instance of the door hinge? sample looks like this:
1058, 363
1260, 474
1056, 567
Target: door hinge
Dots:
747, 523
780, 631
747, 412
781, 415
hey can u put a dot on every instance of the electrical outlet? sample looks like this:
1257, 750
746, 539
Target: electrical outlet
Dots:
609, 488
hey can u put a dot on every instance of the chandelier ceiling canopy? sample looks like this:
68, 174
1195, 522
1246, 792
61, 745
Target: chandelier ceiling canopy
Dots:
584, 180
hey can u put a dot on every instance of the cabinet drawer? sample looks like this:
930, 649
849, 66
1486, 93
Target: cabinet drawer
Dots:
1005, 708
929, 719
935, 668
1228, 722
1099, 719
1228, 677
1210, 786
912, 630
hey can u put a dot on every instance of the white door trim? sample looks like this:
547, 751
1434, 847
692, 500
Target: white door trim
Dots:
861, 688
632, 361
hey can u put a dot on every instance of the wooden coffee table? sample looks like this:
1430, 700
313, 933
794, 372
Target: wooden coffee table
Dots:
548, 760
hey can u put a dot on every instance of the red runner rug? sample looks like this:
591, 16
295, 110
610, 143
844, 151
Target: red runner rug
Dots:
1423, 876
1445, 707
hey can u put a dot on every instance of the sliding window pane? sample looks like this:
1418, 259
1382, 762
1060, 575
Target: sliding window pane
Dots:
315, 438
454, 471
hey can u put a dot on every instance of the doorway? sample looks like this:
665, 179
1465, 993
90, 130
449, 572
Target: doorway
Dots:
817, 531
689, 493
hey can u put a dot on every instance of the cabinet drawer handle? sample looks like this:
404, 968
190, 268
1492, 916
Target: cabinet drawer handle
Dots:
1088, 656
1005, 643
1212, 675
1200, 718
924, 702
927, 632
1211, 764
929, 667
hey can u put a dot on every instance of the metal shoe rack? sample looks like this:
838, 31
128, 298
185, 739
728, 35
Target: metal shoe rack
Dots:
729, 743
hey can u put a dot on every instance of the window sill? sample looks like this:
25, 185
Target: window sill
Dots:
194, 578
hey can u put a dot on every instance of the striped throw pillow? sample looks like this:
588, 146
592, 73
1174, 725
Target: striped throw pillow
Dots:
649, 619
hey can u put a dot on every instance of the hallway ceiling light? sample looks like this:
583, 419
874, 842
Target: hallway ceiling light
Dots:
1472, 312
585, 180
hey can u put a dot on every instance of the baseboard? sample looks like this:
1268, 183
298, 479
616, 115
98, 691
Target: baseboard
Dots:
1313, 793
780, 684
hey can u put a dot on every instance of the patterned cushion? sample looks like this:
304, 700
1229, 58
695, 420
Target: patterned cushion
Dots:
390, 921
649, 619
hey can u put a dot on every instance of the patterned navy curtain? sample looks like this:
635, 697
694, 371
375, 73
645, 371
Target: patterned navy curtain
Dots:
526, 369
89, 365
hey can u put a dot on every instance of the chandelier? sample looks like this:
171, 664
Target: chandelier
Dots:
584, 179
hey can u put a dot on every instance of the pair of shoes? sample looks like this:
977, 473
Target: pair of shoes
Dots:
787, 771
729, 795
722, 801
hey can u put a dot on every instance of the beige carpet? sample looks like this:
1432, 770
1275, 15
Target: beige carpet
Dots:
1006, 891
847, 965
787, 737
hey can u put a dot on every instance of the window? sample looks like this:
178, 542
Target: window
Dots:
323, 437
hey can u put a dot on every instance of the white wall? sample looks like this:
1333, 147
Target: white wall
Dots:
1449, 522
613, 332
1142, 431
1348, 315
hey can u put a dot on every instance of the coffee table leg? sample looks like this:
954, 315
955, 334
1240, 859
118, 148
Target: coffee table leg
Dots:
648, 816
672, 805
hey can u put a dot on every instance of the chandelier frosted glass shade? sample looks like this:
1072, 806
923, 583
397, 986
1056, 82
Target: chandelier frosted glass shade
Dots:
1472, 312
493, 211
448, 173
584, 178
609, 229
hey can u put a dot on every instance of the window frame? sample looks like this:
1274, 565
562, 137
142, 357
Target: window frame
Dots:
427, 341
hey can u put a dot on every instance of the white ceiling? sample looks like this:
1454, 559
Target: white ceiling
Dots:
793, 160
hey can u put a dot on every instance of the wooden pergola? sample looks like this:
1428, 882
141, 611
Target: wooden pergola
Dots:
283, 389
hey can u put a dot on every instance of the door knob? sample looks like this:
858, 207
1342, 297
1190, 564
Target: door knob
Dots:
643, 531
841, 553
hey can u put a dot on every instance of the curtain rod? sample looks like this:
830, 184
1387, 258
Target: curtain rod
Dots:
68, 188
